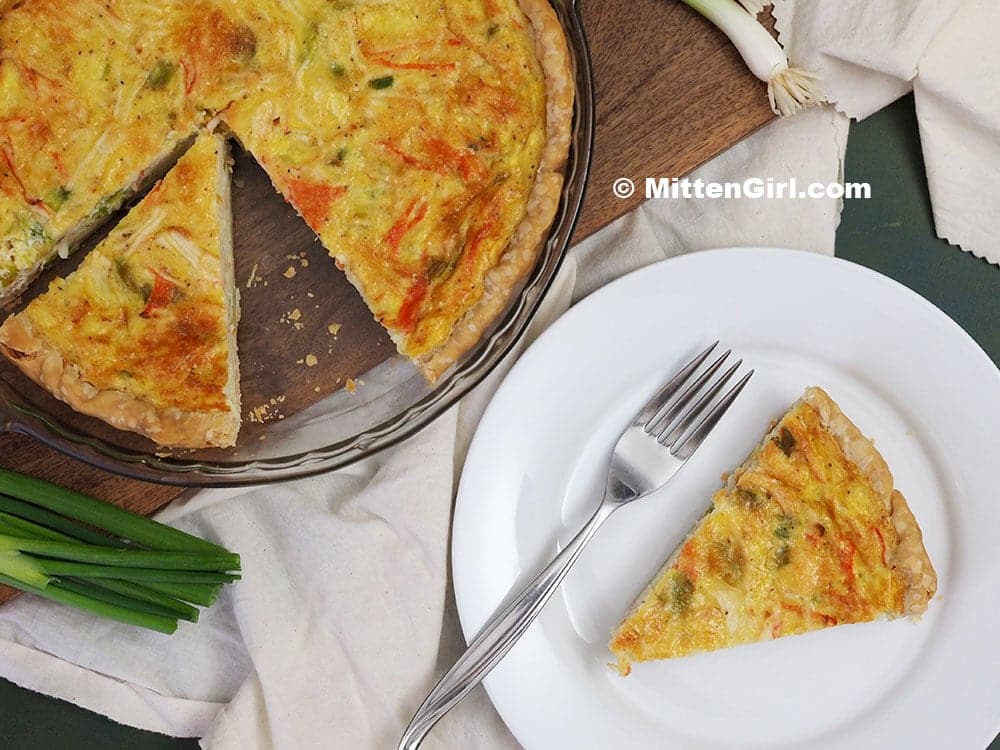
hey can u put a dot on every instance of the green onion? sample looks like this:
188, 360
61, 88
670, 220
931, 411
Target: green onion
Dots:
754, 7
56, 197
105, 594
96, 606
110, 518
53, 521
145, 594
160, 75
789, 89
124, 558
381, 83
159, 575
202, 594
79, 551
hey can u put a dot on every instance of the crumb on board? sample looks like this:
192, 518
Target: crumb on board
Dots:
349, 385
253, 278
311, 360
294, 317
317, 389
266, 412
310, 295
333, 328
260, 414
289, 272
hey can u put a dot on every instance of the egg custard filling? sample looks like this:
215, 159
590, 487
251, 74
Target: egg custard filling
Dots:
809, 533
143, 333
423, 142
93, 108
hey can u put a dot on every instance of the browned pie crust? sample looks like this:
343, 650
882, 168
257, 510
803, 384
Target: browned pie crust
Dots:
166, 426
502, 280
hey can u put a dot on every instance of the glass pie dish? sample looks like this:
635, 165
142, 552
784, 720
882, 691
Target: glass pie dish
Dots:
322, 384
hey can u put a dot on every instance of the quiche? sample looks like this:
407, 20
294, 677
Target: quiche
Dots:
423, 142
809, 533
92, 109
143, 333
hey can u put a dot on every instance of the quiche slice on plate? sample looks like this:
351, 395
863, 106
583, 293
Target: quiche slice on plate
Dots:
809, 533
143, 333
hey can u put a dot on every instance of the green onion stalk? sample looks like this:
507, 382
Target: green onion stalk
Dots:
789, 89
82, 552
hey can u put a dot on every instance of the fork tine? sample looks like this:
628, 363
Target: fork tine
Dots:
673, 385
664, 420
708, 422
692, 414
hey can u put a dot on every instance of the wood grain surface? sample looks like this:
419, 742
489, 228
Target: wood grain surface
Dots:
670, 93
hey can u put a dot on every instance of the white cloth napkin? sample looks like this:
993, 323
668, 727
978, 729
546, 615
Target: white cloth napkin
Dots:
870, 52
957, 93
343, 618
866, 50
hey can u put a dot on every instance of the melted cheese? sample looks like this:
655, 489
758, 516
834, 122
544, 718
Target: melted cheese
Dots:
799, 541
145, 313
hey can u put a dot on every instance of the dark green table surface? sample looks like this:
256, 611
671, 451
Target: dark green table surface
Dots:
892, 232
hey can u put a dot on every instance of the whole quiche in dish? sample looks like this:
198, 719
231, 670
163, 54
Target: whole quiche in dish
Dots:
423, 143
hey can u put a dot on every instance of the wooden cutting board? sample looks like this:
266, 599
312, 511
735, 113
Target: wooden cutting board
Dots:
671, 93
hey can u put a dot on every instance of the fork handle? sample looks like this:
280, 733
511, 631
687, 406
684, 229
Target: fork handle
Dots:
499, 635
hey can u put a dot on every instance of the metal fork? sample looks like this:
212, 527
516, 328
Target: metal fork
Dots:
661, 438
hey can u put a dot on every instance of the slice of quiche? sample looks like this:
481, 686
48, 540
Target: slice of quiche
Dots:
807, 534
143, 333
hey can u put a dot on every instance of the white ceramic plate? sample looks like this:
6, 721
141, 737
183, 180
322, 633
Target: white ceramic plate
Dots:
903, 371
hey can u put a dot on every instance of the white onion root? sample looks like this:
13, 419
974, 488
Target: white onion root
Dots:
789, 89
793, 89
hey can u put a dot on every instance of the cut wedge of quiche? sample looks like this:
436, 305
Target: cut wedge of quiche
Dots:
143, 333
809, 533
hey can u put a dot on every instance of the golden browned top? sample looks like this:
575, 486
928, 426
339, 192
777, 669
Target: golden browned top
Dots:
145, 313
799, 539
